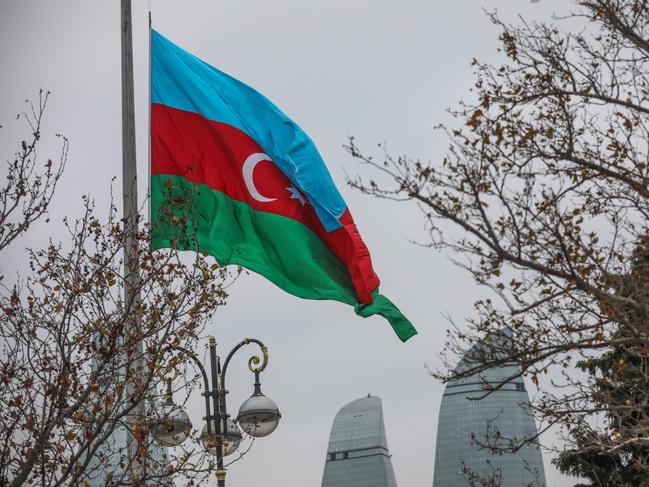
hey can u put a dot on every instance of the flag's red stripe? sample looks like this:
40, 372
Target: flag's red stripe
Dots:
213, 153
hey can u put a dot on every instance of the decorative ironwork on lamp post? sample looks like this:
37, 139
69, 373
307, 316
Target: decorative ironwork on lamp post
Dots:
258, 415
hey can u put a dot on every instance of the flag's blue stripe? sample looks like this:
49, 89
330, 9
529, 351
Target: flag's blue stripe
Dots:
181, 80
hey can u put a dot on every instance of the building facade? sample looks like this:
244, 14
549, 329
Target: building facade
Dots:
465, 423
107, 467
357, 455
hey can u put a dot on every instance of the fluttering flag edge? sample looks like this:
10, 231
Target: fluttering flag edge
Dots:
382, 306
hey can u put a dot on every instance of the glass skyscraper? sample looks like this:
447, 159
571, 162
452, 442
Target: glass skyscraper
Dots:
108, 464
463, 422
357, 455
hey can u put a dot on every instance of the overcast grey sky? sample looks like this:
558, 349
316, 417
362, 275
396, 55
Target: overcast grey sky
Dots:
379, 70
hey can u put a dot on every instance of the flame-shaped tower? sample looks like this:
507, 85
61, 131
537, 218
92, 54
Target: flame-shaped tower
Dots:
466, 421
358, 454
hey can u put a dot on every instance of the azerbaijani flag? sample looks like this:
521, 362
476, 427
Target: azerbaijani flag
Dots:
256, 188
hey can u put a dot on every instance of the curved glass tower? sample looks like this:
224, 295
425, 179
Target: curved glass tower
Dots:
357, 455
462, 422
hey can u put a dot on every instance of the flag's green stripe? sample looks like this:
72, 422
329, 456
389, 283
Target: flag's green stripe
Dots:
191, 216
384, 307
279, 248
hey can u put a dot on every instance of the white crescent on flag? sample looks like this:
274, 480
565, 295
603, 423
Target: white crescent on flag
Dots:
248, 170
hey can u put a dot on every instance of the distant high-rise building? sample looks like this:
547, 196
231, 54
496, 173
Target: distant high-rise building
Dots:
463, 423
108, 464
358, 454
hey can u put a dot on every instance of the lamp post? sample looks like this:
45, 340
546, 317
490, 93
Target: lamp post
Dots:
258, 415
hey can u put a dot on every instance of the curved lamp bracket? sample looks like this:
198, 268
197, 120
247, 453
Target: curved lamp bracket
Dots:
254, 360
170, 371
255, 363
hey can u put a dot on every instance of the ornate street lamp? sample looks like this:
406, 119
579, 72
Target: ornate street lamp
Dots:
229, 443
174, 425
258, 415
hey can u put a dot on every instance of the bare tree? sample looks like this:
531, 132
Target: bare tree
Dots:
547, 181
29, 186
67, 354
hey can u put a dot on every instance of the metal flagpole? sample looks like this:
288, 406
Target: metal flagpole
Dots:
149, 121
131, 254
